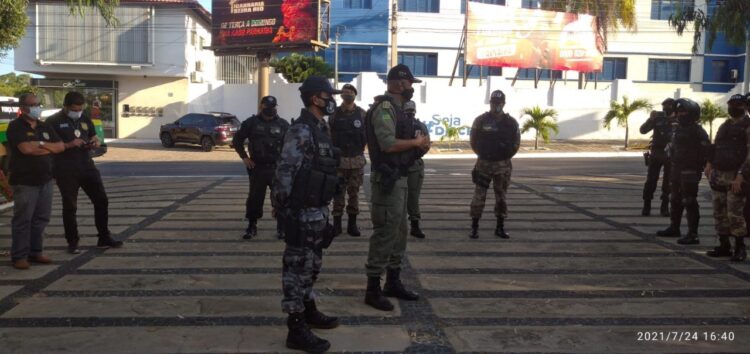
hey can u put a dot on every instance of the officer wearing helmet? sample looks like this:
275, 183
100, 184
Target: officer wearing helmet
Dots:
662, 124
688, 153
728, 165
266, 133
495, 139
416, 174
304, 185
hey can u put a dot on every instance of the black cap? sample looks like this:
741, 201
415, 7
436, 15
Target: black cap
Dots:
402, 72
497, 95
668, 101
318, 84
737, 98
269, 101
349, 87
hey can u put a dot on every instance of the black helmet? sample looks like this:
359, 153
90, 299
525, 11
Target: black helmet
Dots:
689, 106
669, 101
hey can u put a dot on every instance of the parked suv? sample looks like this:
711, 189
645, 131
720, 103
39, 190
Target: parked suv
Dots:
207, 129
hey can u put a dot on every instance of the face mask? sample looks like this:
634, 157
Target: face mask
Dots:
348, 98
668, 112
408, 93
74, 115
411, 115
684, 120
736, 112
269, 112
499, 108
330, 105
35, 112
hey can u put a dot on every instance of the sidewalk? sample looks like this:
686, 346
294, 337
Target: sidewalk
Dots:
141, 150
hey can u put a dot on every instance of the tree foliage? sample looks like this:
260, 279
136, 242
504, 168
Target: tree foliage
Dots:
297, 67
13, 18
14, 85
541, 125
730, 17
710, 112
620, 112
611, 15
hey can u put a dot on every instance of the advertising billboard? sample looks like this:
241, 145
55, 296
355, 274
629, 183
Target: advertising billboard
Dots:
267, 24
526, 38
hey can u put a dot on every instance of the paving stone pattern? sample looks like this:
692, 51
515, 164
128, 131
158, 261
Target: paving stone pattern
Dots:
582, 273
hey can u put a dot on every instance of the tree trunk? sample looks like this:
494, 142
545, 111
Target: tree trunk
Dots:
627, 133
710, 132
536, 141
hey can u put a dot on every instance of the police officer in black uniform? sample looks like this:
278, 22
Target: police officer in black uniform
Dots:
662, 124
688, 153
266, 133
74, 169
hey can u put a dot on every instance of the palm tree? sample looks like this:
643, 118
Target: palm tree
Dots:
622, 111
610, 15
540, 123
729, 17
452, 134
709, 112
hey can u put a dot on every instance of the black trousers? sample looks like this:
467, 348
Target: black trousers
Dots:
685, 197
69, 181
652, 179
261, 178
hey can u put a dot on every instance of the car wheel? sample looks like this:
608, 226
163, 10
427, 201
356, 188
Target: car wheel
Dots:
207, 144
166, 140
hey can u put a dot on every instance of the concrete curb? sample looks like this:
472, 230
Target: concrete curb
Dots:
544, 155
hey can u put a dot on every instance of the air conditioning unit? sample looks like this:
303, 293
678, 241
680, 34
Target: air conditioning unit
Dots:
196, 77
199, 66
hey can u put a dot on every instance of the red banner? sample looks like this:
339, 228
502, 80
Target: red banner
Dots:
524, 38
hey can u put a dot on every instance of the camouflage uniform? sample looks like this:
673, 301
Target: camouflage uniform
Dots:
302, 261
414, 187
728, 206
352, 172
499, 171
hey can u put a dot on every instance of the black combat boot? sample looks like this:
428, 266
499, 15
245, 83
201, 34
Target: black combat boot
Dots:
317, 319
337, 225
671, 231
740, 254
500, 229
474, 228
352, 229
723, 250
690, 239
664, 209
300, 337
415, 230
374, 295
279, 231
251, 230
646, 211
394, 288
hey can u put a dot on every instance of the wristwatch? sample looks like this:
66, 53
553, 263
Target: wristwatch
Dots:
41, 143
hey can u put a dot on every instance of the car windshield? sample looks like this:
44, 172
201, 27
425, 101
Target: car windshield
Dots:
228, 120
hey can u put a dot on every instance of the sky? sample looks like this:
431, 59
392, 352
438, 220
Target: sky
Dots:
6, 63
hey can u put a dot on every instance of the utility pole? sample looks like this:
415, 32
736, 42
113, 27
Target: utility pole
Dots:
336, 60
746, 83
263, 74
394, 34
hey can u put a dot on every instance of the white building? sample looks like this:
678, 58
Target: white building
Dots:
136, 76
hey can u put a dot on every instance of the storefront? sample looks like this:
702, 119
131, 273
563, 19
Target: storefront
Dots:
101, 98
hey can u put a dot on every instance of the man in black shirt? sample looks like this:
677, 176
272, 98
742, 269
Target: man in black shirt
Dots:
31, 144
74, 169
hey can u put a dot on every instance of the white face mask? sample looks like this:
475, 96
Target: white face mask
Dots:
74, 115
35, 112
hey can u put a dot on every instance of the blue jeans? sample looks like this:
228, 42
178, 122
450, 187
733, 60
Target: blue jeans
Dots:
31, 213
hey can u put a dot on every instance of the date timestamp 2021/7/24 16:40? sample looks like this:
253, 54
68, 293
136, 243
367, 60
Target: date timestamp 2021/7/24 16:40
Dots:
685, 336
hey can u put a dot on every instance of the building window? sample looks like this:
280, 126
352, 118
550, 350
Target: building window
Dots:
669, 70
419, 5
474, 71
355, 60
420, 64
357, 4
612, 69
530, 4
663, 9
529, 74
492, 2
720, 71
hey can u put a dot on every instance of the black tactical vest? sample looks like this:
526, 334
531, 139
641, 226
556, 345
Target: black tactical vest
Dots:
730, 150
685, 147
405, 130
662, 134
347, 130
266, 140
316, 183
495, 138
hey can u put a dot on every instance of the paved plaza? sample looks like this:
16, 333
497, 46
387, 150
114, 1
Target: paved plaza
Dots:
581, 273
